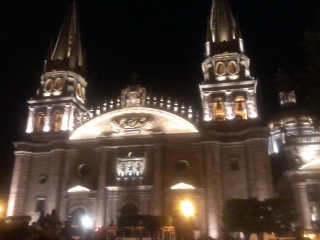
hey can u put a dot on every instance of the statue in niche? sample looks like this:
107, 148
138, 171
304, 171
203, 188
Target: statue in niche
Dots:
133, 96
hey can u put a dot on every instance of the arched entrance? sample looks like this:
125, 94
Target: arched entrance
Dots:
76, 216
129, 209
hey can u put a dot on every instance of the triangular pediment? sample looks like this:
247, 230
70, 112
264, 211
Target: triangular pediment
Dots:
182, 185
78, 189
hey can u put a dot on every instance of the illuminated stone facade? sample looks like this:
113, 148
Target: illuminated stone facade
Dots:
295, 136
140, 154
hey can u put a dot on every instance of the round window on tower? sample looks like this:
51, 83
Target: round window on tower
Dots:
42, 179
232, 67
48, 85
182, 166
58, 84
220, 69
83, 170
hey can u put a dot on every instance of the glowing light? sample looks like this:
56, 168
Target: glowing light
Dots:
86, 221
310, 164
187, 208
79, 189
168, 122
182, 186
46, 128
309, 235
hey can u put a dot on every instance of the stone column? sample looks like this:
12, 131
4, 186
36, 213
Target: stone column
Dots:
54, 181
19, 184
157, 179
207, 110
229, 106
65, 118
47, 120
101, 210
69, 157
30, 125
301, 197
71, 117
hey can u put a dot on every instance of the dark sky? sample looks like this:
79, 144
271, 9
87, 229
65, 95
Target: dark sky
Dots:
163, 41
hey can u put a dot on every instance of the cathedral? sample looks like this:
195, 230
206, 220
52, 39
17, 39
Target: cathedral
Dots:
143, 155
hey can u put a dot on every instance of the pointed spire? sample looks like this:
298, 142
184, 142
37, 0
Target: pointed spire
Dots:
223, 25
67, 53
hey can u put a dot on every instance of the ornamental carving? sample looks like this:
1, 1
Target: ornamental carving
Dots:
132, 125
130, 166
133, 96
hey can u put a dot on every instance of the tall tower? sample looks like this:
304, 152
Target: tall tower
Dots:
59, 106
228, 92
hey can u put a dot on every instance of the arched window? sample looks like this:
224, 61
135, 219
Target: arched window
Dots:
57, 121
220, 69
240, 108
219, 110
232, 67
40, 122
58, 84
48, 85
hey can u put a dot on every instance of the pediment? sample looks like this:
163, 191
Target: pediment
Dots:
78, 189
182, 186
133, 121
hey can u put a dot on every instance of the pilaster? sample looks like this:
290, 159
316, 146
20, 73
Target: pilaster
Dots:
301, 196
19, 183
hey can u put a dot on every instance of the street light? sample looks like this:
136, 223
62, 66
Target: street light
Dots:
187, 208
86, 221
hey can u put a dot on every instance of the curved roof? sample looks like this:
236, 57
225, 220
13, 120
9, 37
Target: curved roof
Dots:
133, 121
290, 115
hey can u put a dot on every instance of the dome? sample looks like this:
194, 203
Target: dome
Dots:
291, 116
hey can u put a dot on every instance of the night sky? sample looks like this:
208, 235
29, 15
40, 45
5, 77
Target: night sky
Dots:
161, 41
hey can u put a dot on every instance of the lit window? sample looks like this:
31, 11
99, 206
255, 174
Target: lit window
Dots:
40, 122
57, 121
240, 109
220, 68
219, 110
58, 84
48, 86
232, 68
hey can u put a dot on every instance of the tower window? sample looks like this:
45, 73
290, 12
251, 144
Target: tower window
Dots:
40, 122
48, 86
58, 84
57, 121
240, 109
219, 110
232, 68
220, 69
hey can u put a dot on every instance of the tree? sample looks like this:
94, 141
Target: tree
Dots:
247, 216
253, 216
283, 215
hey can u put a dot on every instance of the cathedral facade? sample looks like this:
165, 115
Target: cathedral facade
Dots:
140, 154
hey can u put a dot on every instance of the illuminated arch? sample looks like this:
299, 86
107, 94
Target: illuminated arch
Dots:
133, 121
